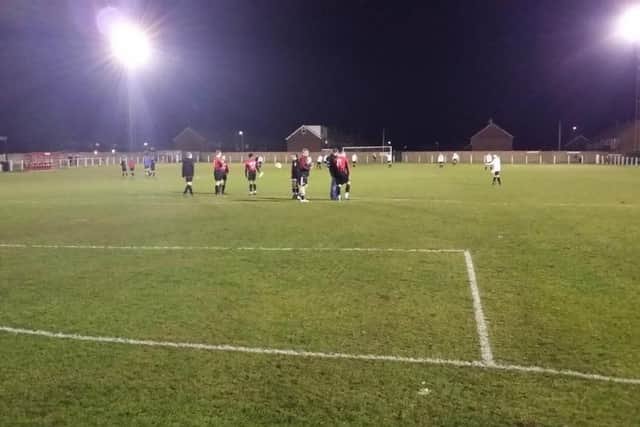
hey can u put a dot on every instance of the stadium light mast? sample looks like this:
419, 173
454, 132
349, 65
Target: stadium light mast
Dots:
241, 134
628, 29
131, 49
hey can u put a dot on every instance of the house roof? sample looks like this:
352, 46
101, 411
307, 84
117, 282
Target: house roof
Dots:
314, 129
490, 126
577, 139
188, 131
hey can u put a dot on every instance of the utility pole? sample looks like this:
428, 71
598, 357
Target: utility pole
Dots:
6, 149
559, 135
636, 133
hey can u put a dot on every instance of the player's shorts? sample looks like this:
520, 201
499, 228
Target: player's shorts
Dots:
251, 175
218, 175
188, 179
132, 168
496, 173
341, 178
303, 180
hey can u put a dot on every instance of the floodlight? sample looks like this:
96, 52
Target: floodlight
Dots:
129, 45
629, 24
240, 133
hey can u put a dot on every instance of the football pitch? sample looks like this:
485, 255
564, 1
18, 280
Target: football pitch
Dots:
429, 298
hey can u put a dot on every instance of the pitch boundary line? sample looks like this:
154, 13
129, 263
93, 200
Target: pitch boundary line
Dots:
320, 355
481, 324
222, 248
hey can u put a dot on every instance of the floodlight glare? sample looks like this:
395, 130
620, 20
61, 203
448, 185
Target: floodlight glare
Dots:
629, 24
129, 45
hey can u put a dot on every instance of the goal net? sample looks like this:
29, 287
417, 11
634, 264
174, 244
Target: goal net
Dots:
371, 154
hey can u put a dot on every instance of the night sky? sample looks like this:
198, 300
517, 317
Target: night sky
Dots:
426, 70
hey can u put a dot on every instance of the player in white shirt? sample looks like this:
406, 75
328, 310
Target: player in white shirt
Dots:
488, 158
455, 158
319, 161
389, 159
496, 167
441, 160
354, 159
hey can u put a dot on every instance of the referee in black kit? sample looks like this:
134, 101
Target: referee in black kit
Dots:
188, 170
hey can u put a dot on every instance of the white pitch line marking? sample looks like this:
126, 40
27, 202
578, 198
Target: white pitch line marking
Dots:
481, 324
221, 248
320, 355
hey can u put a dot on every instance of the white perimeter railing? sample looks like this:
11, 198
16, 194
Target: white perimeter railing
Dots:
466, 157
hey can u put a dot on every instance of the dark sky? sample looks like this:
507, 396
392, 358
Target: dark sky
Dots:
425, 70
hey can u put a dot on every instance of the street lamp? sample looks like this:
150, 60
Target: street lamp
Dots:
628, 29
574, 128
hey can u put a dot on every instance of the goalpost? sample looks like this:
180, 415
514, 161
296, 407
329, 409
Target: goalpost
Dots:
373, 153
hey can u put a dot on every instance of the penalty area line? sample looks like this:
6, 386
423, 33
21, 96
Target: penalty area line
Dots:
481, 323
219, 248
318, 355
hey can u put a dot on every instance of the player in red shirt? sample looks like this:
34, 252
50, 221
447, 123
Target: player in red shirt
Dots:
343, 174
132, 166
250, 172
219, 171
304, 168
226, 173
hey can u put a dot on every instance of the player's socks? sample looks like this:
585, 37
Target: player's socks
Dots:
217, 189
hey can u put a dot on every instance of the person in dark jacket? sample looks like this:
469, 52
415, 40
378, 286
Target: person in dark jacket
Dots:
294, 176
188, 170
331, 165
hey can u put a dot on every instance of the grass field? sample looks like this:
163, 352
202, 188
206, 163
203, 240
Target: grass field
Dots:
96, 256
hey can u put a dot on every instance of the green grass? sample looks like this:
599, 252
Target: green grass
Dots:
555, 251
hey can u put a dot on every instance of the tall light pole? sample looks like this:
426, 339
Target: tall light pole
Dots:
629, 30
131, 48
241, 134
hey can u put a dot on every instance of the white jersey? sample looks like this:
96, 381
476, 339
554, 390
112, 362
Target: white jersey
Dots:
488, 159
496, 164
455, 157
320, 158
354, 158
440, 158
389, 158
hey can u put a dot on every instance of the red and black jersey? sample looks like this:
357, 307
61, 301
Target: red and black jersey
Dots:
342, 164
218, 164
250, 165
304, 164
